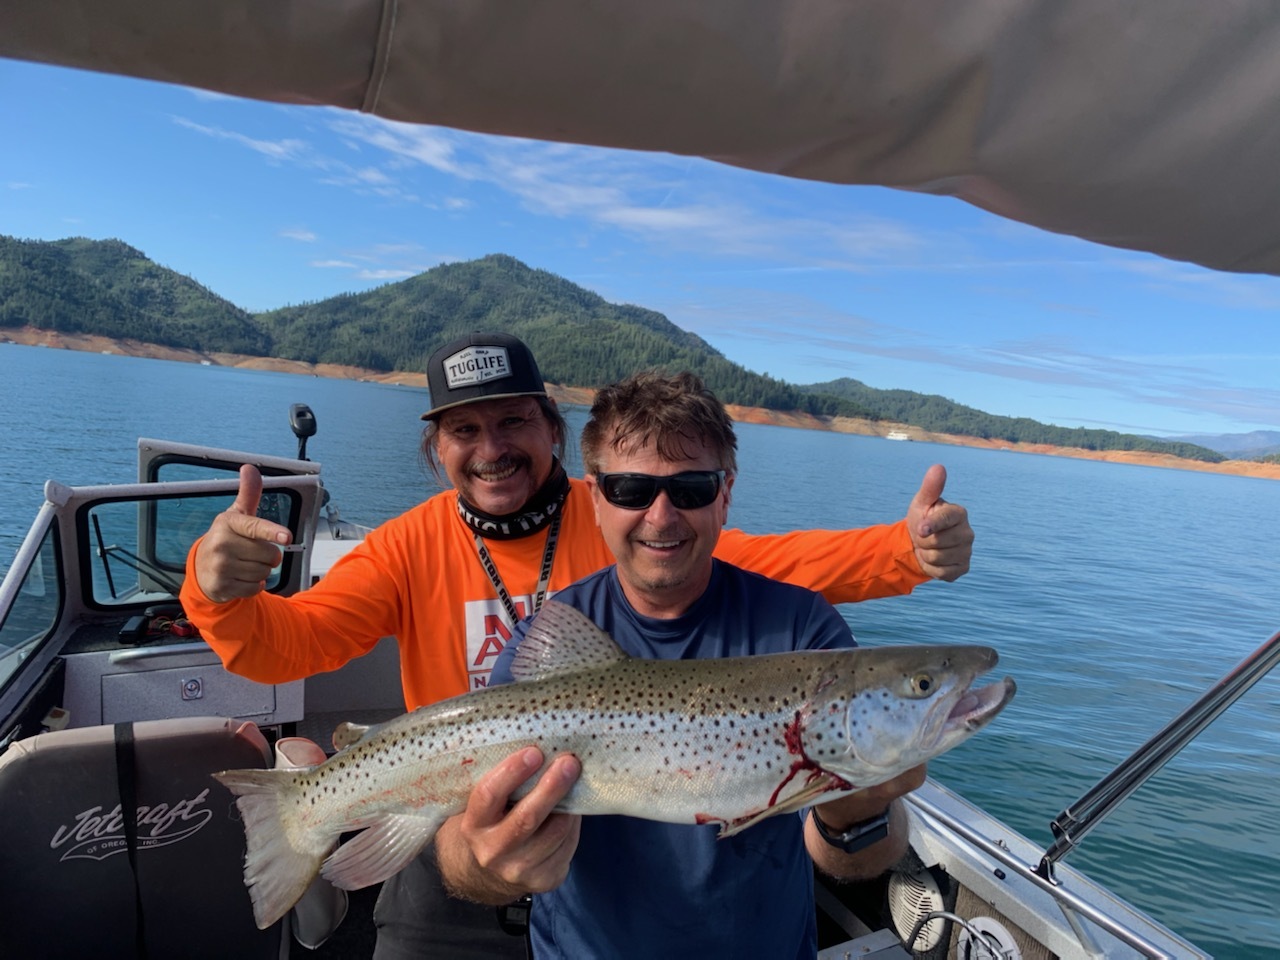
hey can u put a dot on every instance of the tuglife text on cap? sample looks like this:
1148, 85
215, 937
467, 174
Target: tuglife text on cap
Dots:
481, 366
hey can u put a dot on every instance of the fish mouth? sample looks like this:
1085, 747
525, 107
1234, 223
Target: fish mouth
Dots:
978, 706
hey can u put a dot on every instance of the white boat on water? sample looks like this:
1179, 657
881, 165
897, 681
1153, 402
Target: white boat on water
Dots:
1151, 125
897, 435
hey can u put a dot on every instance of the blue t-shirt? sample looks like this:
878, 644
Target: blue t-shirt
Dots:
642, 889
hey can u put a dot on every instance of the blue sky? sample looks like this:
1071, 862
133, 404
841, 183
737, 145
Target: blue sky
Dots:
269, 205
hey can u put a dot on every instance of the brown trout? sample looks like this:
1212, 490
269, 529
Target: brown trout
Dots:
726, 742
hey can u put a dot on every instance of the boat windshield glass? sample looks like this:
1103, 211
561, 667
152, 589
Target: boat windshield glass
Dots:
166, 470
34, 612
138, 548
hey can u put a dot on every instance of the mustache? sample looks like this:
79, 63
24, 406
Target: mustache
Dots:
507, 463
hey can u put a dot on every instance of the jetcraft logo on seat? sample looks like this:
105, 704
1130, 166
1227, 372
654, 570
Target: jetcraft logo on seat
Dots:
94, 835
476, 365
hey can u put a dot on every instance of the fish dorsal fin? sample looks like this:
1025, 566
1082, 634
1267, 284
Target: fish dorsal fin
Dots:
347, 733
562, 640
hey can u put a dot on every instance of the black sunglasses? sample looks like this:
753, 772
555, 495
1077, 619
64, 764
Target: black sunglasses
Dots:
690, 490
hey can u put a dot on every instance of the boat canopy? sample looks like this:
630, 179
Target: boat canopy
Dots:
1145, 124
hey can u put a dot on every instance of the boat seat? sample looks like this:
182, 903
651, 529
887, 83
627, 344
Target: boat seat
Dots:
67, 881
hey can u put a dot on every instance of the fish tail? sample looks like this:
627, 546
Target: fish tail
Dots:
276, 872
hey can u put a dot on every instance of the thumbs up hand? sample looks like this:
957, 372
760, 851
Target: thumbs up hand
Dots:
939, 530
240, 550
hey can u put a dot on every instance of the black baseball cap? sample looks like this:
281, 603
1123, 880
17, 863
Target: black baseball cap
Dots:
481, 366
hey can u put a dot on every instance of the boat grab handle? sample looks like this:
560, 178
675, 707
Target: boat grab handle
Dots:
169, 650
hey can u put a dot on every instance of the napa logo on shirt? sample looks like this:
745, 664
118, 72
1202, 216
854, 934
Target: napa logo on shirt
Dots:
488, 629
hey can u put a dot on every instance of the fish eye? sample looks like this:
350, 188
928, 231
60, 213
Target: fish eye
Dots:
922, 684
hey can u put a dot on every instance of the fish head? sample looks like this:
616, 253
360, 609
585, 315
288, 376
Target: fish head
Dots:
898, 707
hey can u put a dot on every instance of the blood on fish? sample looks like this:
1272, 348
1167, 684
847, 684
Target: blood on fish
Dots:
793, 736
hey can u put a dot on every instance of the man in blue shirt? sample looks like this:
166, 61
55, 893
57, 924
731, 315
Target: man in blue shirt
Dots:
660, 459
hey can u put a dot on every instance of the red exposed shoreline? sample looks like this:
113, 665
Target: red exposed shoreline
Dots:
33, 336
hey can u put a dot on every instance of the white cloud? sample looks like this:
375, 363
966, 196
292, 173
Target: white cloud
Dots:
382, 262
1199, 284
426, 145
633, 192
299, 233
385, 274
279, 150
640, 194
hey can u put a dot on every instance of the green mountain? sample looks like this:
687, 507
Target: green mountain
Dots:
109, 288
579, 338
1238, 446
940, 415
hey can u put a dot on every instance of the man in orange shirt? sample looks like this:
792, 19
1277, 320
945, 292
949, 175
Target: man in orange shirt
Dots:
451, 577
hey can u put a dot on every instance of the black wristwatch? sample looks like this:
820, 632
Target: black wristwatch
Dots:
857, 836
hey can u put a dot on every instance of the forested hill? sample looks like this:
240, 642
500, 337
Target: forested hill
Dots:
109, 288
940, 415
578, 337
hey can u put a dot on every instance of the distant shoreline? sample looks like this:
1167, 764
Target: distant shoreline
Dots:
34, 336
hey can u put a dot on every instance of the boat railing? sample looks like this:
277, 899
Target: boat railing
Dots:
1072, 824
1072, 905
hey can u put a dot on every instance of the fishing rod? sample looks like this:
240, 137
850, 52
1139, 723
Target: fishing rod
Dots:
1072, 824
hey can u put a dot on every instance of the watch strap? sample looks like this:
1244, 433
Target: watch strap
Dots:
857, 836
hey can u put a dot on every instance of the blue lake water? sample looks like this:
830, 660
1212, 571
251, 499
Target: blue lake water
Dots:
1115, 594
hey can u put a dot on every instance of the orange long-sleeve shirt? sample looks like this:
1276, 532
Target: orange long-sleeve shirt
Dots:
418, 578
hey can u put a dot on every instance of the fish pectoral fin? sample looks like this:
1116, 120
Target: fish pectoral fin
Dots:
380, 851
803, 798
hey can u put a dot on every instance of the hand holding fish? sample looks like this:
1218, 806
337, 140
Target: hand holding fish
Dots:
940, 531
240, 550
869, 801
498, 850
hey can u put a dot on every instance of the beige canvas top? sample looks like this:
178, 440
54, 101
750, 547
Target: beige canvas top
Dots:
1147, 124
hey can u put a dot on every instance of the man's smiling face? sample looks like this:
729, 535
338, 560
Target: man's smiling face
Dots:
497, 453
663, 553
